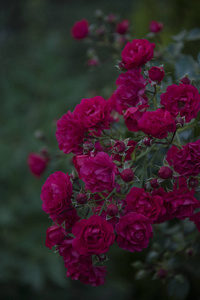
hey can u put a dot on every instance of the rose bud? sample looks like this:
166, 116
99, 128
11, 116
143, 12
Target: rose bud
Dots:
155, 26
185, 80
179, 122
162, 273
119, 146
88, 146
154, 183
54, 236
93, 62
156, 74
81, 198
127, 175
112, 210
193, 182
165, 172
147, 141
80, 29
122, 27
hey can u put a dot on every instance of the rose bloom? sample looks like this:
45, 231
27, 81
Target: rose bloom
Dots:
137, 53
92, 236
155, 26
54, 236
93, 113
133, 115
131, 90
139, 201
180, 203
157, 123
56, 194
183, 100
122, 27
70, 134
156, 74
37, 163
196, 219
80, 29
98, 172
186, 161
134, 231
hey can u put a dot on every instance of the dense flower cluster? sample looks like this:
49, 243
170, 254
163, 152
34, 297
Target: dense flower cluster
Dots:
107, 198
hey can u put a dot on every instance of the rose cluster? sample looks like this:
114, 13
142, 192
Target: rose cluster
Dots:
108, 199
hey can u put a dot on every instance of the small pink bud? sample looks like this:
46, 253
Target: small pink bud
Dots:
127, 175
147, 141
119, 146
165, 172
155, 26
162, 273
193, 182
156, 74
81, 198
179, 121
154, 183
112, 210
185, 80
122, 27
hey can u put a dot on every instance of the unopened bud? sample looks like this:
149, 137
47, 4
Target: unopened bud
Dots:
147, 141
162, 273
127, 175
185, 80
179, 122
81, 198
88, 146
193, 182
154, 183
165, 172
112, 210
119, 146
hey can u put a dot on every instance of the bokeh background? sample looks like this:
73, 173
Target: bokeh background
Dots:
43, 74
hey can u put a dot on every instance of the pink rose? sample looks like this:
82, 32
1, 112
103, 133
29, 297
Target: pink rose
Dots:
92, 236
156, 74
131, 89
70, 134
80, 29
183, 99
186, 161
180, 203
136, 53
78, 162
54, 236
141, 202
37, 163
133, 115
134, 231
56, 194
155, 26
98, 172
157, 123
93, 113
122, 27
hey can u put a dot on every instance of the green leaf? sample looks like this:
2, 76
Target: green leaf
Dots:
194, 34
180, 36
179, 287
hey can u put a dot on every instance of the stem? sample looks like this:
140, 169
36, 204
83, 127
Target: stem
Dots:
105, 199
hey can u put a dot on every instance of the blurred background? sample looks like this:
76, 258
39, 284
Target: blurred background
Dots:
43, 74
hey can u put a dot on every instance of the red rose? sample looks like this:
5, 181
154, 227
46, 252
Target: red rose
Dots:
133, 115
134, 231
180, 203
157, 123
78, 162
136, 53
122, 27
80, 29
37, 163
92, 236
186, 161
54, 236
56, 194
183, 99
70, 134
98, 172
155, 26
170, 154
165, 172
141, 202
93, 113
156, 74
131, 89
